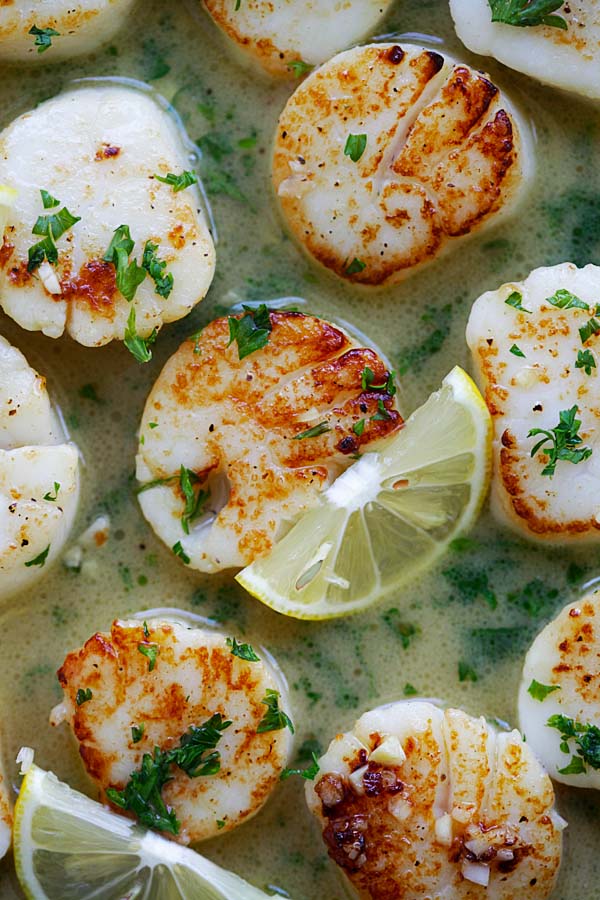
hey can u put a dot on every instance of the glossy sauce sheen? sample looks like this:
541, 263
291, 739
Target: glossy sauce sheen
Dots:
336, 670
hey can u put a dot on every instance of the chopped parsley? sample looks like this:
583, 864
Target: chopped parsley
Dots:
382, 413
251, 331
129, 275
359, 427
585, 360
409, 690
299, 68
274, 719
309, 773
540, 691
50, 227
356, 266
564, 299
137, 733
315, 431
82, 696
43, 37
196, 756
40, 559
150, 651
515, 299
155, 267
367, 382
587, 742
138, 346
404, 630
466, 672
522, 13
180, 552
589, 330
50, 497
178, 182
516, 351
243, 651
194, 503
356, 145
564, 440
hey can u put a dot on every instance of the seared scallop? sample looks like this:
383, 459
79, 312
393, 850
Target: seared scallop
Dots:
39, 475
386, 153
136, 695
420, 802
95, 237
559, 699
233, 447
535, 349
564, 53
49, 30
288, 39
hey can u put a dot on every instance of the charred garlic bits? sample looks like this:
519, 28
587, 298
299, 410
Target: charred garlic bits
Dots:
288, 39
536, 349
559, 47
247, 424
39, 475
177, 728
559, 700
386, 153
420, 802
106, 239
58, 29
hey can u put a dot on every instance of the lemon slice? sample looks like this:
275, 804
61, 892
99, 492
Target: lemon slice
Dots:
387, 517
67, 847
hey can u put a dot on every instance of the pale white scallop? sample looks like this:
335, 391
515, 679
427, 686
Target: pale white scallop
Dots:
82, 27
6, 815
275, 34
388, 154
565, 656
35, 515
194, 677
96, 149
418, 802
567, 59
530, 391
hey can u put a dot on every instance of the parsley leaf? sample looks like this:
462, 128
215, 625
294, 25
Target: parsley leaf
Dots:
151, 652
527, 12
40, 559
515, 299
52, 498
194, 503
516, 351
382, 413
83, 696
244, 651
251, 331
356, 145
178, 182
589, 330
190, 756
564, 299
587, 741
315, 431
163, 281
409, 690
359, 427
298, 68
367, 382
585, 360
540, 691
43, 37
129, 275
356, 266
404, 630
466, 672
274, 719
137, 733
564, 440
48, 201
138, 346
50, 228
180, 552
309, 773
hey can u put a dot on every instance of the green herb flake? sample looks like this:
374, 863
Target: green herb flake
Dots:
564, 299
48, 201
180, 552
40, 559
194, 502
138, 346
50, 496
587, 741
409, 690
575, 767
155, 267
585, 360
299, 68
243, 651
315, 431
356, 145
309, 773
356, 266
515, 299
524, 13
516, 351
150, 651
564, 440
540, 691
590, 329
129, 275
220, 824
178, 182
367, 382
50, 227
382, 413
275, 718
251, 331
466, 672
359, 427
406, 631
43, 37
137, 733
82, 696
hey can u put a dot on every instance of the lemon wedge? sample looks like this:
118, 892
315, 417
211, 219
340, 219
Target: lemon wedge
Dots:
387, 517
67, 847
